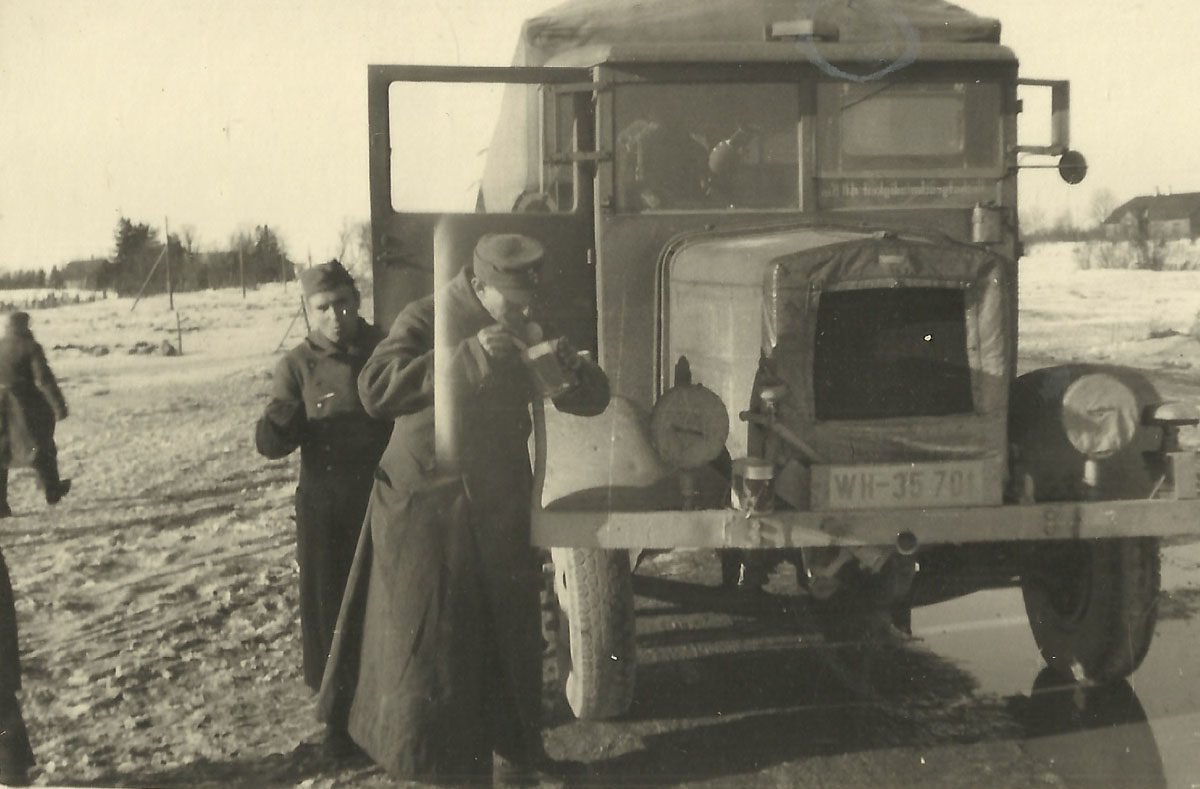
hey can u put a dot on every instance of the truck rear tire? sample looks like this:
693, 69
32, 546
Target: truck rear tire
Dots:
1092, 605
596, 643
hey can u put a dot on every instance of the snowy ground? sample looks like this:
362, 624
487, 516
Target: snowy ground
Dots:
157, 602
1140, 318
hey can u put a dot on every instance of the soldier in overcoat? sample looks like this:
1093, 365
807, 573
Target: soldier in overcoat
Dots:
16, 755
315, 406
439, 641
31, 404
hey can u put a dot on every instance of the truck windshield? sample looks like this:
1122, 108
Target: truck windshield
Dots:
707, 146
907, 126
907, 143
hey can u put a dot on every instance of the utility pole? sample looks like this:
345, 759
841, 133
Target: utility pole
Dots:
282, 267
167, 254
146, 281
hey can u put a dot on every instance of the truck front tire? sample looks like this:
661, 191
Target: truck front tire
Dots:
1092, 605
596, 644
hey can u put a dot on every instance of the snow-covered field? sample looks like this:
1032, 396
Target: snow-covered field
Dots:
1141, 318
157, 603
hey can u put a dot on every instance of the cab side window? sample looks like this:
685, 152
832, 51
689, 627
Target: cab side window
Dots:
480, 147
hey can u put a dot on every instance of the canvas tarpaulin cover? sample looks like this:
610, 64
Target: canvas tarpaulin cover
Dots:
794, 290
764, 289
582, 24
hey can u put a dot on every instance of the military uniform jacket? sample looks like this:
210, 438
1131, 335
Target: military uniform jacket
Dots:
437, 658
30, 401
314, 406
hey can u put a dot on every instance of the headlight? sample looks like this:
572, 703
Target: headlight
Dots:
689, 426
1100, 415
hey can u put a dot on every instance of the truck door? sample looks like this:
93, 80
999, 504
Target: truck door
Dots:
457, 152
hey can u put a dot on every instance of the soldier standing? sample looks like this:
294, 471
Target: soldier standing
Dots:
438, 658
315, 406
30, 406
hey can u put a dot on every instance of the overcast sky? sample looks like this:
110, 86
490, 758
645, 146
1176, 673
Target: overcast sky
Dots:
222, 114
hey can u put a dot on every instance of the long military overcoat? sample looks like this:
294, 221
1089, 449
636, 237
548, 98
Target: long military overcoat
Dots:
437, 658
13, 736
30, 401
314, 406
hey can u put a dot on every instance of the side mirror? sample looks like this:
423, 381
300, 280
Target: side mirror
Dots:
1072, 167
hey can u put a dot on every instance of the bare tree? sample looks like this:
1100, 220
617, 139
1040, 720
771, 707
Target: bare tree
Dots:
188, 237
354, 247
1102, 204
1032, 219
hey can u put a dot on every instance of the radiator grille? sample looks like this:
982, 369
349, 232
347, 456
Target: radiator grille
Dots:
891, 352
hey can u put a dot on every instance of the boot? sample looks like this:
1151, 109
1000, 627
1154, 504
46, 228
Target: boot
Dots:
55, 493
338, 744
46, 467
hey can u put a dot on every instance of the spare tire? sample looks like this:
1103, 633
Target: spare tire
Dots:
597, 653
1092, 604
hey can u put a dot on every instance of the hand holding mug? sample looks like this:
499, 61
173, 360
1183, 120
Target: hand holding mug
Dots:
498, 342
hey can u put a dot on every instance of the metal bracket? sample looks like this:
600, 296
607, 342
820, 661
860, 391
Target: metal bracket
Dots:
1060, 117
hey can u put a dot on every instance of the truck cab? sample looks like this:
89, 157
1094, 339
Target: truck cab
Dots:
788, 233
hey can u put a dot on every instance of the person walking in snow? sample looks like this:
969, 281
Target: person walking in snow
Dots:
31, 404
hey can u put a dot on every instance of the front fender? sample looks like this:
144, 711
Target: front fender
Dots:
608, 463
1043, 453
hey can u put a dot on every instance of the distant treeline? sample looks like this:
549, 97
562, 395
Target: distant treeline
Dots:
47, 301
252, 257
33, 278
1064, 228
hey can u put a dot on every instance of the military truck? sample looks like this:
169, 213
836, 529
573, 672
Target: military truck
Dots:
788, 232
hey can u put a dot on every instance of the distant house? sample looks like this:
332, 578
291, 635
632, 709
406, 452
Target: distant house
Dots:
85, 274
1160, 217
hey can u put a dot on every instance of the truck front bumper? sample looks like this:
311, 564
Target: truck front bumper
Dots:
907, 528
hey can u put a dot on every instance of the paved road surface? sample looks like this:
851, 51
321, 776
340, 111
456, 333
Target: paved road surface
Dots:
747, 695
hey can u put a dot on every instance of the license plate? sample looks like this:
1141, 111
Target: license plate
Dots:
906, 485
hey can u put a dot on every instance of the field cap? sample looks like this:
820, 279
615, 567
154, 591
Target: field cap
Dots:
510, 263
325, 277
